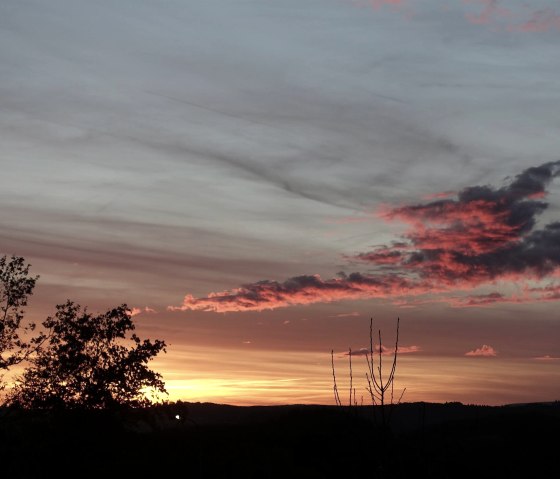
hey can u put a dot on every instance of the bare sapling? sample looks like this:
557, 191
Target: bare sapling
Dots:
380, 385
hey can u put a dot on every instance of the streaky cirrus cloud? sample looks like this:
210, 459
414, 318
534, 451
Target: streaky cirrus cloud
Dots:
500, 15
380, 3
547, 357
402, 7
483, 351
539, 21
482, 235
513, 17
377, 4
487, 299
529, 295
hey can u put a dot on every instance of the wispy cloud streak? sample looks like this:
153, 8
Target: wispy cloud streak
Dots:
540, 21
499, 14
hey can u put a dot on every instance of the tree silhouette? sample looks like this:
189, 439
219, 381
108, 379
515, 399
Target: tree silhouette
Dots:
379, 384
15, 286
90, 362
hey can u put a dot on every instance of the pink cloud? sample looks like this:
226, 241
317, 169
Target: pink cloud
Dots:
301, 290
547, 293
405, 349
137, 311
480, 236
490, 12
485, 350
540, 21
520, 19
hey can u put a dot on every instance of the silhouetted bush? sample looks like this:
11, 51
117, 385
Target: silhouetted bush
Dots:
89, 362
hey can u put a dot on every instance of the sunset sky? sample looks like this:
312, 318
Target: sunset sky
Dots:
258, 178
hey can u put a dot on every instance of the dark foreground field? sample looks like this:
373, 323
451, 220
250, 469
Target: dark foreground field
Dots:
215, 441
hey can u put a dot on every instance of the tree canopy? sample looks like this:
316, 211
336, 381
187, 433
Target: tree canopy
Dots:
90, 361
16, 285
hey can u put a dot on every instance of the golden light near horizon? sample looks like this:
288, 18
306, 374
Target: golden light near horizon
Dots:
285, 377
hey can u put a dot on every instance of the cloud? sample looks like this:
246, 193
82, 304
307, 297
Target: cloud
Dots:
145, 309
493, 12
483, 234
300, 290
357, 352
391, 3
485, 350
547, 357
439, 195
377, 4
346, 315
540, 21
529, 295
409, 349
386, 351
487, 299
480, 236
490, 12
547, 293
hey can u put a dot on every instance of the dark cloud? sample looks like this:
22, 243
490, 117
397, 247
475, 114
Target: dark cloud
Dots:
485, 234
306, 289
385, 351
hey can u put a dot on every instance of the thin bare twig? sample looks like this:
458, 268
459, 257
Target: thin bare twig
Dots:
335, 388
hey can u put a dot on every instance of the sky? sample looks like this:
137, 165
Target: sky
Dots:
257, 179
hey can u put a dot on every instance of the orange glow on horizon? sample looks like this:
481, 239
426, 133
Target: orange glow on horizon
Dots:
256, 377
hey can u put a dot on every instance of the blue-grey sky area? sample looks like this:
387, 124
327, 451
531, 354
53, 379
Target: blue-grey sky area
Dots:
157, 149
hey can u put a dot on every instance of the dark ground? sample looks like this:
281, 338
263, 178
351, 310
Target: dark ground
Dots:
215, 441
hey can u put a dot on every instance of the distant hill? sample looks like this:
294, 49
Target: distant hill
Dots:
205, 440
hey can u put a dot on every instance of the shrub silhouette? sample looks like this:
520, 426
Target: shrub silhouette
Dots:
89, 361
